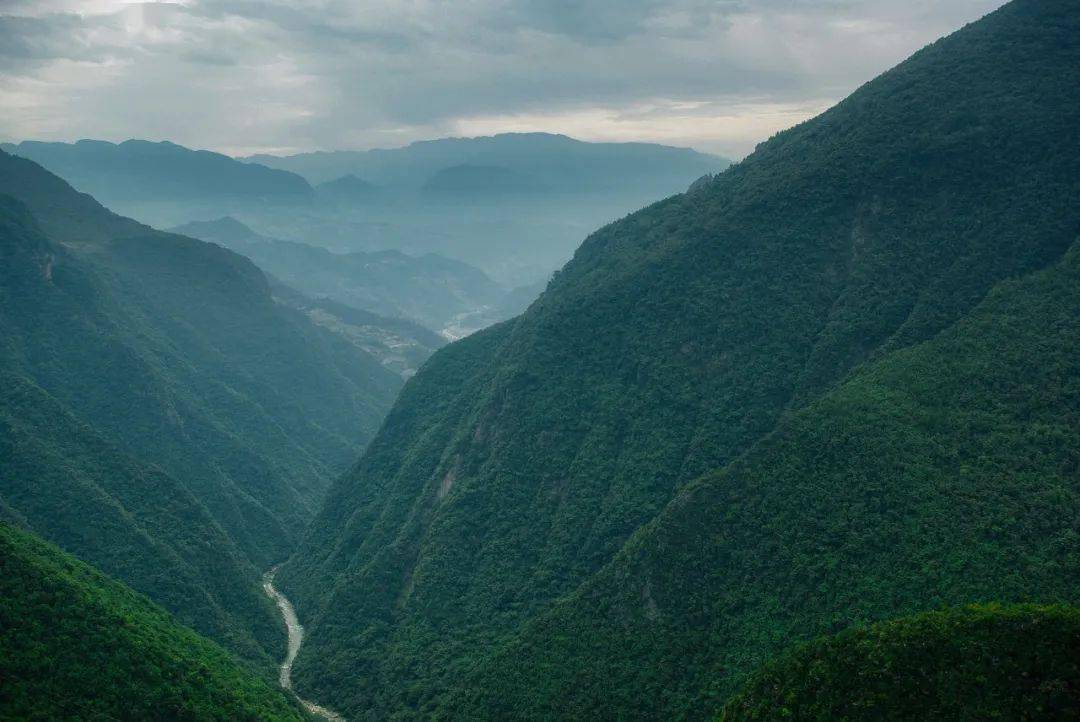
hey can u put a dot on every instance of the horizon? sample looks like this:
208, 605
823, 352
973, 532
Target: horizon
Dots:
418, 141
243, 79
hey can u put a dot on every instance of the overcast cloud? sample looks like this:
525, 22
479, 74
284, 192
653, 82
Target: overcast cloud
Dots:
243, 76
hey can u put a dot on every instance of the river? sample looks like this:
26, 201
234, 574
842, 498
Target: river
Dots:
296, 638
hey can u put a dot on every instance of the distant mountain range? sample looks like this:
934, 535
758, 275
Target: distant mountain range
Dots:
514, 205
548, 163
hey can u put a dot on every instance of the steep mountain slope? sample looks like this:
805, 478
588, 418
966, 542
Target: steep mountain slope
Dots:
975, 663
943, 473
517, 464
433, 290
153, 377
75, 644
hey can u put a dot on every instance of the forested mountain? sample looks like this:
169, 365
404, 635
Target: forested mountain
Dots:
75, 644
836, 383
974, 663
138, 171
438, 292
488, 181
163, 418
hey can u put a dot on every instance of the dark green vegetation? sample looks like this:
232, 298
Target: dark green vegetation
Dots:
433, 290
975, 663
161, 416
836, 384
75, 644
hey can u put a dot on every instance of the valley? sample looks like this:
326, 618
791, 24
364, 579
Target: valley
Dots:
519, 426
295, 640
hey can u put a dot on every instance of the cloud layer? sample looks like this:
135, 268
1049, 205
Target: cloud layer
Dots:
275, 75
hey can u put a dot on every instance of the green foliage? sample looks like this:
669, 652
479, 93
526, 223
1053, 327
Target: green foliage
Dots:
531, 536
941, 474
75, 644
163, 418
973, 663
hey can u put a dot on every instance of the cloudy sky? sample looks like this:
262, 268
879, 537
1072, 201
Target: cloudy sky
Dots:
244, 76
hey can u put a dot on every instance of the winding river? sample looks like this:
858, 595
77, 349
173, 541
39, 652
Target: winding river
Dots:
296, 638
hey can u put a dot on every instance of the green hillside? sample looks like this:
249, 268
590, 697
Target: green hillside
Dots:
75, 644
525, 536
974, 663
942, 474
163, 412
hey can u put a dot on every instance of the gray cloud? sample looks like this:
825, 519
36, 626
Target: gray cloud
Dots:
241, 75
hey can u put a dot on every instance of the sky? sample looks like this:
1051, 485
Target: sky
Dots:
283, 76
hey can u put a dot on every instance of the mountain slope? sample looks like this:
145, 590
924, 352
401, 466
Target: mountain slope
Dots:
202, 419
432, 290
943, 473
518, 463
974, 663
75, 644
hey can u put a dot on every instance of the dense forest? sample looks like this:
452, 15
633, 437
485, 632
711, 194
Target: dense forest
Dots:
164, 418
974, 663
834, 384
799, 443
75, 644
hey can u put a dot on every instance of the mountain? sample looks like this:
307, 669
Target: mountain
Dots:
438, 292
348, 190
163, 417
835, 384
486, 181
138, 174
972, 663
515, 205
75, 644
553, 162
